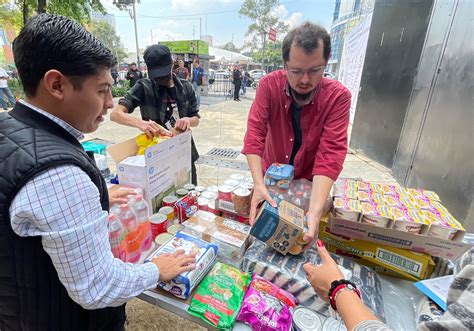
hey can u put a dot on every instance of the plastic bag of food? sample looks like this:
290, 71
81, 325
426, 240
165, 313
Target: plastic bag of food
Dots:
266, 306
219, 296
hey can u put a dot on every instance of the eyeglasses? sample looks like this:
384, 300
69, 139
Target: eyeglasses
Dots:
312, 72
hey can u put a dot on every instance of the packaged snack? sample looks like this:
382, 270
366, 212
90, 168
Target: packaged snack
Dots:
375, 214
182, 285
279, 174
219, 296
407, 220
347, 209
266, 306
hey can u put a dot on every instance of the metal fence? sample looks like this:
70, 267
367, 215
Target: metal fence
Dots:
221, 87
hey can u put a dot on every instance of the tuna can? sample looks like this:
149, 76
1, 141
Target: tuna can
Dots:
305, 319
213, 188
158, 224
181, 192
170, 200
200, 188
168, 212
162, 238
332, 324
203, 203
209, 195
231, 182
189, 187
237, 177
225, 192
173, 229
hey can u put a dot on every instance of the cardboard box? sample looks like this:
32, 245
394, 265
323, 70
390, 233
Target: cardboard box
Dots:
449, 249
401, 262
281, 227
159, 171
231, 237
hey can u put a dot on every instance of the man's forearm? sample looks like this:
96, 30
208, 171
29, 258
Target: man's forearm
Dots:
194, 121
319, 195
255, 164
119, 115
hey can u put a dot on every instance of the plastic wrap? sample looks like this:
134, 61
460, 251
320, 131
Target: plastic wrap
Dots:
287, 272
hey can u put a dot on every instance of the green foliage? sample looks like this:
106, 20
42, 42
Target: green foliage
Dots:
230, 46
107, 34
16, 88
119, 90
10, 18
272, 55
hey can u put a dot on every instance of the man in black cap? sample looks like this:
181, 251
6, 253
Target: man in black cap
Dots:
163, 99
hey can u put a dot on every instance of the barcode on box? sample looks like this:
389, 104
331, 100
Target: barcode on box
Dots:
400, 262
226, 205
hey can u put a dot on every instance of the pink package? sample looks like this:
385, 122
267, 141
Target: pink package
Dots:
266, 306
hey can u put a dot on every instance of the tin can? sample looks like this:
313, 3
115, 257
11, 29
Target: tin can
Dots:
246, 185
162, 238
209, 195
181, 192
225, 192
237, 177
170, 200
159, 224
231, 182
213, 188
189, 187
305, 319
195, 193
211, 207
241, 201
168, 211
203, 204
200, 188
332, 324
173, 229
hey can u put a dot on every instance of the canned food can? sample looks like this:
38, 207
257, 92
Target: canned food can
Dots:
170, 200
332, 324
225, 192
181, 192
231, 182
241, 200
203, 203
237, 177
200, 188
173, 229
159, 224
168, 211
162, 238
305, 319
189, 187
213, 188
195, 193
246, 185
209, 195
211, 207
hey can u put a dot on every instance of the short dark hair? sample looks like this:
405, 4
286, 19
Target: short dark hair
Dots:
133, 64
306, 36
49, 42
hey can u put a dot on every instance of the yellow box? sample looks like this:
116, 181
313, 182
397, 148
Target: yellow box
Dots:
403, 263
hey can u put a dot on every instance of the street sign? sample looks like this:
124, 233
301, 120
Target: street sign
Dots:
272, 34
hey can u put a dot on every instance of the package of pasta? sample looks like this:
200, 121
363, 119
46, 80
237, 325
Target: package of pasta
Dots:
219, 296
266, 306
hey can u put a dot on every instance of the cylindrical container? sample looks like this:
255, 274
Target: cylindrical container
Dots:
246, 185
209, 195
241, 201
347, 209
170, 200
213, 188
332, 324
189, 187
168, 211
237, 177
407, 220
442, 231
225, 192
181, 192
203, 204
375, 214
195, 193
305, 319
296, 249
249, 179
159, 224
231, 182
162, 238
200, 188
211, 207
175, 228
407, 226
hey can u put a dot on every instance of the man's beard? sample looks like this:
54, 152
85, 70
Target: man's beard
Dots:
302, 97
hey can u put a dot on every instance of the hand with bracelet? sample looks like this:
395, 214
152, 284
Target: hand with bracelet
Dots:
344, 297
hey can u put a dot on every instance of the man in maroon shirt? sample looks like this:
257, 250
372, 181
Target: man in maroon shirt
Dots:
299, 118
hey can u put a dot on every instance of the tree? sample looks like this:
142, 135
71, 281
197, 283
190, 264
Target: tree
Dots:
260, 13
78, 10
10, 17
107, 34
230, 46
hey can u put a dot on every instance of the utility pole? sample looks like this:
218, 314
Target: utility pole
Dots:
151, 35
136, 32
200, 33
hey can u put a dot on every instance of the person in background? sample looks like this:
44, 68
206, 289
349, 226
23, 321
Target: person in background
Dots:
114, 74
300, 118
182, 72
237, 80
197, 80
57, 268
163, 98
133, 74
245, 81
5, 90
357, 317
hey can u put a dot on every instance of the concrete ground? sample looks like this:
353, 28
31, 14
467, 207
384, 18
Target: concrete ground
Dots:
223, 124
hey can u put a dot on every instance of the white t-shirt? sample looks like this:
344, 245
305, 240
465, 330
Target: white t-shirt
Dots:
3, 82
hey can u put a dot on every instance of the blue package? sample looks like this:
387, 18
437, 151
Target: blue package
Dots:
279, 171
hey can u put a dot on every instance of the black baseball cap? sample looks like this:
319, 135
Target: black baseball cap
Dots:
158, 61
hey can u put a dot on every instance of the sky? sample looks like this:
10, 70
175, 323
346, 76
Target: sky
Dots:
180, 19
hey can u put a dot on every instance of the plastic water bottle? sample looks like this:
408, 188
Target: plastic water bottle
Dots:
116, 236
132, 241
140, 207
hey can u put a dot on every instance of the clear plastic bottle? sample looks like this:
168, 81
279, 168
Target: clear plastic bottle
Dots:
141, 209
116, 236
132, 243
298, 199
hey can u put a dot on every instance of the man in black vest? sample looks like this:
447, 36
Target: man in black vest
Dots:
163, 99
57, 271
